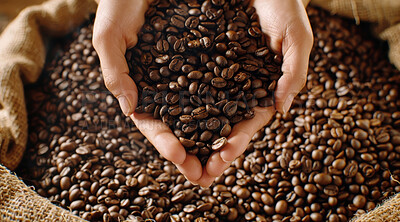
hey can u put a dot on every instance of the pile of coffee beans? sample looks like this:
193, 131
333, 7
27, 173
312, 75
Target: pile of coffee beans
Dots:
335, 154
200, 67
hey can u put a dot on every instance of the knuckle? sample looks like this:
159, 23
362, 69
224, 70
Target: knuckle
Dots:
100, 34
111, 83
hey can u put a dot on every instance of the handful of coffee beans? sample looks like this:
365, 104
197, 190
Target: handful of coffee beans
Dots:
200, 67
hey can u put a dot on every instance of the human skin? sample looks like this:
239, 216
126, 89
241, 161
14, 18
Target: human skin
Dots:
289, 34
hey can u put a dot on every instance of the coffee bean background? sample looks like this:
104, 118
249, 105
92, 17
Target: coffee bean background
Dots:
206, 62
334, 155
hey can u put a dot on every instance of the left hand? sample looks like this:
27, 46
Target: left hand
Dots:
289, 34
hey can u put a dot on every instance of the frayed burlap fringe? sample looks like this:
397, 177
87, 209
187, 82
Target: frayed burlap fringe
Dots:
20, 203
384, 14
22, 56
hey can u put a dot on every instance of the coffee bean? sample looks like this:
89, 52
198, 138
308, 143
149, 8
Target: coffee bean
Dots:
213, 123
323, 179
76, 205
219, 143
226, 130
230, 108
351, 169
281, 207
359, 201
200, 113
195, 75
176, 64
192, 22
218, 82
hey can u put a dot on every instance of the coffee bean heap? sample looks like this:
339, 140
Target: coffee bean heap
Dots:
201, 66
334, 155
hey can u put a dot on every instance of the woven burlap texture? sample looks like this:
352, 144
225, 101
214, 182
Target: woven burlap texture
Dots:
384, 14
22, 56
20, 203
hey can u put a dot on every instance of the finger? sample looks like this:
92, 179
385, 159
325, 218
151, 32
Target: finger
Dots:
191, 168
242, 133
161, 137
296, 48
116, 72
206, 180
216, 165
110, 43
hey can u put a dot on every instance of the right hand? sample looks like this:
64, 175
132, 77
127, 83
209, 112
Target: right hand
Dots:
115, 30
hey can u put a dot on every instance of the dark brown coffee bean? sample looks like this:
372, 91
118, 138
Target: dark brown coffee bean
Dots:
200, 113
195, 75
230, 108
331, 190
176, 64
205, 42
189, 127
76, 205
174, 110
192, 22
218, 82
221, 61
261, 52
351, 169
179, 46
213, 123
162, 46
178, 21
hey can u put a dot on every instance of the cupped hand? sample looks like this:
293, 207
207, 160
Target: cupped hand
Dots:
115, 30
289, 34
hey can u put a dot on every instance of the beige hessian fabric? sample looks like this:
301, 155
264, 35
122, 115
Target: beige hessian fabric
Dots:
20, 203
385, 14
22, 56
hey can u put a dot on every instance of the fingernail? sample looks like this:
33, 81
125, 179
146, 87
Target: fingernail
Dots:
125, 106
287, 104
220, 156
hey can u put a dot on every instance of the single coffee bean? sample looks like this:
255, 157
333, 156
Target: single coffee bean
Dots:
200, 113
230, 108
218, 82
219, 143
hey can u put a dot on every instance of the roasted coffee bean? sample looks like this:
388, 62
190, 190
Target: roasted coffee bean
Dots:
230, 108
213, 123
195, 75
218, 82
219, 143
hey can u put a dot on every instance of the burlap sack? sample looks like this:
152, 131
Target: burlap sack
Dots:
20, 203
384, 14
22, 56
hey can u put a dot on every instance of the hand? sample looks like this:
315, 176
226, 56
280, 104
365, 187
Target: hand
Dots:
115, 29
289, 34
